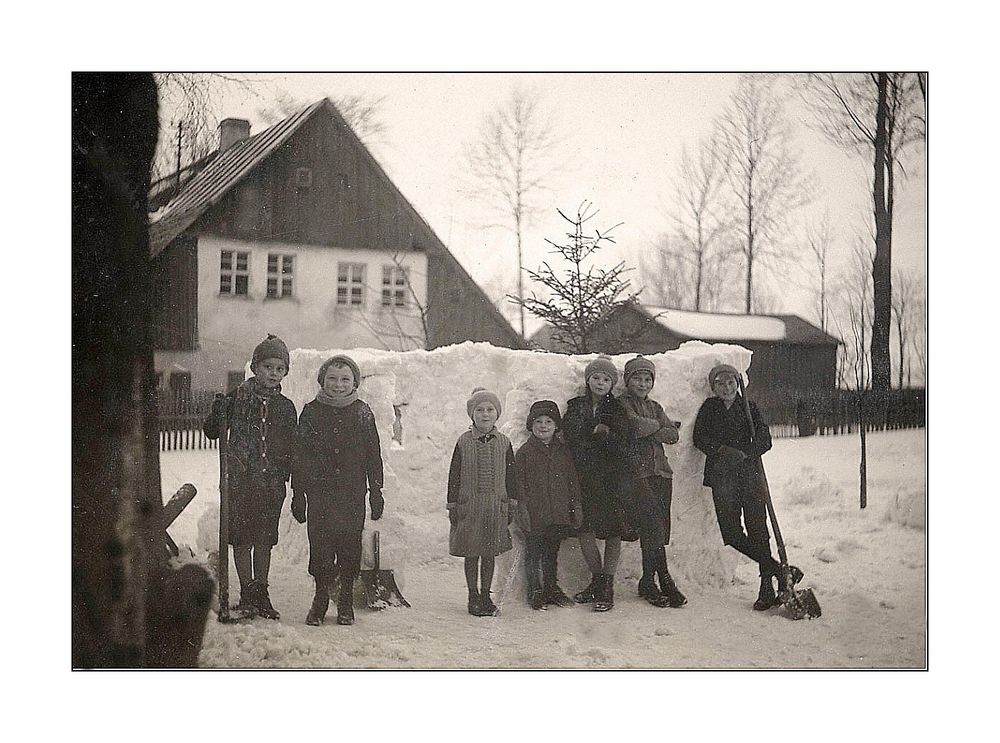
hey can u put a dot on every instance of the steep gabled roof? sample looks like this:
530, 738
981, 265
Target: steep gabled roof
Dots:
723, 326
210, 185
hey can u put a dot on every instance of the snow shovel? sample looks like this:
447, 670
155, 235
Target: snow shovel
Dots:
800, 604
380, 585
224, 615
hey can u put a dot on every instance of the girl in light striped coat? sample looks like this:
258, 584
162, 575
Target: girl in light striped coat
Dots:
481, 482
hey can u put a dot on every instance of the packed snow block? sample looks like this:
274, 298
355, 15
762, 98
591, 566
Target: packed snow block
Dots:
419, 397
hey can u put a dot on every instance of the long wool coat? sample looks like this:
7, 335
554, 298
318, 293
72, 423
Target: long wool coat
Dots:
600, 460
548, 487
338, 459
261, 431
716, 427
481, 482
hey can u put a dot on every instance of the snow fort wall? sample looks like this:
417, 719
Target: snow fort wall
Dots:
418, 398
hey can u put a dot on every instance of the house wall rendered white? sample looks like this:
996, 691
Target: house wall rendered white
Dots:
229, 326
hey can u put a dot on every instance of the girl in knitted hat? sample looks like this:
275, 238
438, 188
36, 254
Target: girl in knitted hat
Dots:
261, 425
481, 483
596, 428
650, 480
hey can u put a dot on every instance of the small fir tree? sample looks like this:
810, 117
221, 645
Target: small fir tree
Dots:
581, 299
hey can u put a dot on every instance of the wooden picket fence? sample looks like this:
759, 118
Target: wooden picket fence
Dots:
832, 412
181, 414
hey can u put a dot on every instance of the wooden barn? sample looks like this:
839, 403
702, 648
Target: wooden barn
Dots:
297, 230
792, 359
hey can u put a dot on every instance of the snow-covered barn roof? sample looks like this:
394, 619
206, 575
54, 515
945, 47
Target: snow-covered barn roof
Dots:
721, 326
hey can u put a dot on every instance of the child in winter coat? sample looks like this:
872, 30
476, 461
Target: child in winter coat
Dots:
732, 464
650, 480
548, 502
596, 428
338, 459
261, 424
480, 485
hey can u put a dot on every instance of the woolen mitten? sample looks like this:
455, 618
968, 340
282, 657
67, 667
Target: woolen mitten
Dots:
299, 507
729, 457
377, 503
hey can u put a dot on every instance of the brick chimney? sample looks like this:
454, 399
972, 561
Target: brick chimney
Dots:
232, 131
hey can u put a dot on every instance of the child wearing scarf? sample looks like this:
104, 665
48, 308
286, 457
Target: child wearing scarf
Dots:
261, 424
481, 484
338, 459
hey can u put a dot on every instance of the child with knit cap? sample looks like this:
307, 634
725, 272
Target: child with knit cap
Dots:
733, 445
261, 425
481, 484
650, 480
548, 502
338, 460
596, 429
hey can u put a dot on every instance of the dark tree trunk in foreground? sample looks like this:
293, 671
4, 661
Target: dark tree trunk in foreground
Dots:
129, 609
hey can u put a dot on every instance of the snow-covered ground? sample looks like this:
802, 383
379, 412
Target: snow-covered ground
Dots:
867, 568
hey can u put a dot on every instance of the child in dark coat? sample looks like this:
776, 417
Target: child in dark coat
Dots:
596, 429
732, 464
261, 424
650, 480
481, 483
548, 502
338, 459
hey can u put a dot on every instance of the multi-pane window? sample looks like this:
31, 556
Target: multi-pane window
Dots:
394, 289
234, 272
279, 275
351, 284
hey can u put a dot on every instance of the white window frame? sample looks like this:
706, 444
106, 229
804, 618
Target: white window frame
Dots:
283, 275
395, 286
233, 272
351, 284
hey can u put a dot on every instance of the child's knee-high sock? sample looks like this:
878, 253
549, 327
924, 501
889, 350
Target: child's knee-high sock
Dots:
486, 573
612, 551
591, 553
244, 565
472, 574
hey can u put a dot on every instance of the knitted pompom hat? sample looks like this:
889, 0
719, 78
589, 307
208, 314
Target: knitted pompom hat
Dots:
339, 360
271, 347
639, 363
544, 407
480, 394
720, 369
601, 364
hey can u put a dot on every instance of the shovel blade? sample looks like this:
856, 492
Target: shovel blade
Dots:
802, 604
381, 590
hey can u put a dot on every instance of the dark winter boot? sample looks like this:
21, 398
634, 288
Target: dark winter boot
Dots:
555, 595
604, 596
486, 606
248, 603
586, 596
649, 591
796, 575
345, 602
264, 603
537, 599
675, 599
766, 598
321, 602
474, 607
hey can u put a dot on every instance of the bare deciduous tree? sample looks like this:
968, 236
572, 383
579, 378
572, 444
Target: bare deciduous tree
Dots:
764, 173
819, 239
881, 115
905, 289
510, 165
703, 219
362, 112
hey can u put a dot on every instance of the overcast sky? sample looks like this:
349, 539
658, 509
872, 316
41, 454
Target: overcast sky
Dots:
624, 133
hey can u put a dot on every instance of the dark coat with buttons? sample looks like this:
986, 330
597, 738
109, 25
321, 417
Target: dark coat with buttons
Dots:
338, 459
717, 428
547, 484
261, 426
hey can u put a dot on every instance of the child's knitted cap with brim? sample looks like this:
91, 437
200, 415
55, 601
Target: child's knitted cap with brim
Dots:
602, 365
479, 395
340, 360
